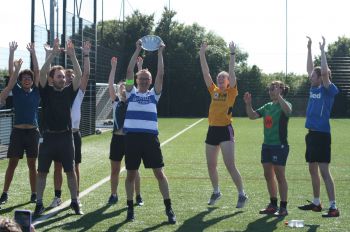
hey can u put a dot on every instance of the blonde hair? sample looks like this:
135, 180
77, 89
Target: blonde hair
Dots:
8, 225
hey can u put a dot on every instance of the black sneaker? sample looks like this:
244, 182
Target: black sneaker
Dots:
139, 200
331, 213
39, 209
33, 198
4, 197
130, 215
171, 216
75, 206
112, 199
311, 206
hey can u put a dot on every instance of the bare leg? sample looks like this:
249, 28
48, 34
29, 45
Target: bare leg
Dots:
40, 184
282, 182
31, 162
57, 176
162, 182
328, 180
77, 173
129, 184
212, 160
137, 184
315, 179
12, 164
72, 184
115, 169
269, 174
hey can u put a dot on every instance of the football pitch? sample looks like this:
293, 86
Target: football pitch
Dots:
190, 188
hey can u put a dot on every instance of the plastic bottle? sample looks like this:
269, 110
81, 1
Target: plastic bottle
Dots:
296, 223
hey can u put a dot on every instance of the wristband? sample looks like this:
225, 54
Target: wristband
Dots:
129, 82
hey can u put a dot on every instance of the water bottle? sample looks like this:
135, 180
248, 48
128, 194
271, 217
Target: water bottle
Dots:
296, 223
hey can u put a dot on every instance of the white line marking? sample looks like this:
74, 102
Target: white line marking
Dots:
66, 204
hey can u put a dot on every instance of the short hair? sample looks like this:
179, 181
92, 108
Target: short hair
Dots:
26, 72
317, 70
284, 87
144, 71
53, 70
223, 73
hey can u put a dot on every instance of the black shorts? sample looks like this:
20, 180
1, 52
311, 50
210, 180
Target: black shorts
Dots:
318, 147
77, 147
117, 147
218, 134
145, 147
275, 154
57, 147
23, 140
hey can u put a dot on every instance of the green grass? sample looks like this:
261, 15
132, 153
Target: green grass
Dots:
185, 167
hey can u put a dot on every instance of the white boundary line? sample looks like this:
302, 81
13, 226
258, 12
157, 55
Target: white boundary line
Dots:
65, 204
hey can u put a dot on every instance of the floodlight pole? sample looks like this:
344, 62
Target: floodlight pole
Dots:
52, 22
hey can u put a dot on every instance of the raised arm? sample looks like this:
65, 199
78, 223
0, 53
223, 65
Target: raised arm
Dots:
76, 66
309, 63
47, 64
139, 63
324, 65
285, 106
204, 65
233, 79
31, 49
86, 71
129, 83
248, 106
13, 46
112, 93
13, 80
158, 83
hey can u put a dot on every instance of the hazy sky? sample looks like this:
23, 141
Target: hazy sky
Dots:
257, 26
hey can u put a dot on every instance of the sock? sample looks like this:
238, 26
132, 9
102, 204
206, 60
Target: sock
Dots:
316, 201
74, 200
242, 193
283, 204
114, 194
332, 205
273, 201
58, 193
130, 204
216, 190
167, 203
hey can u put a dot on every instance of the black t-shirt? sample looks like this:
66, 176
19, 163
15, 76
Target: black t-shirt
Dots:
56, 107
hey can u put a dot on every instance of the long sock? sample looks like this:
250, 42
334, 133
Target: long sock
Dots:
216, 190
316, 201
332, 205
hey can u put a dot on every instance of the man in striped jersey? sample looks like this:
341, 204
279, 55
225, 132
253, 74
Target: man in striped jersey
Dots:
141, 127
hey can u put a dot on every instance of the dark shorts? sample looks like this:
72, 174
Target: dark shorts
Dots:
23, 140
275, 154
218, 134
318, 147
117, 147
57, 147
145, 147
77, 146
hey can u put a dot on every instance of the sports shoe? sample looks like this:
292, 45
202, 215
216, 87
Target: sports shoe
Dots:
214, 197
139, 200
281, 212
270, 209
311, 206
331, 213
33, 198
112, 199
55, 202
242, 199
130, 215
75, 206
171, 216
39, 209
4, 197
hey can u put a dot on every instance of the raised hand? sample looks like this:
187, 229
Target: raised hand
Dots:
31, 48
247, 98
139, 62
18, 64
161, 47
114, 62
138, 44
70, 48
86, 48
232, 47
13, 46
309, 42
203, 48
322, 45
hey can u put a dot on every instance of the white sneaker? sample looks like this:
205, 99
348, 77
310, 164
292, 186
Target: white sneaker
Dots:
55, 202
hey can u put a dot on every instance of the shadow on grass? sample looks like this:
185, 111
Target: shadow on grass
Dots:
266, 223
312, 228
197, 223
84, 222
10, 209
